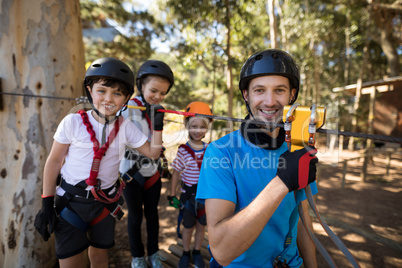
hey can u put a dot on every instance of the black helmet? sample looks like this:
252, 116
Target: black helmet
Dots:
154, 67
270, 62
110, 68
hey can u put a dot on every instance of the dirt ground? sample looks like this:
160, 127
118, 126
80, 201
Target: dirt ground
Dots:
366, 216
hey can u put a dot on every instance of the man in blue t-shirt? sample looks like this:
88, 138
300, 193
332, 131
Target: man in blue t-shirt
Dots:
251, 184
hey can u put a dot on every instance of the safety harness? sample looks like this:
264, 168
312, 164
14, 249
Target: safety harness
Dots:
190, 190
146, 182
109, 197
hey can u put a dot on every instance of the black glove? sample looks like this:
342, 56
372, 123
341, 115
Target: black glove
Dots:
46, 216
298, 169
173, 201
155, 116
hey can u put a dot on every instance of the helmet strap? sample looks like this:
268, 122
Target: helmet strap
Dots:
107, 122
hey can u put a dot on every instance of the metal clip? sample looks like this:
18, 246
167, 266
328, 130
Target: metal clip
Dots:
288, 123
312, 126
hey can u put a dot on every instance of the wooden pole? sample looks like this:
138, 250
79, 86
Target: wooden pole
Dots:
388, 162
345, 168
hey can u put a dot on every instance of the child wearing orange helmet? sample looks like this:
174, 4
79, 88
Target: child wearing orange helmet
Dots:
186, 166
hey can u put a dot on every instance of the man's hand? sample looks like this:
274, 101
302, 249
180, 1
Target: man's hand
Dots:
155, 116
173, 201
298, 169
46, 216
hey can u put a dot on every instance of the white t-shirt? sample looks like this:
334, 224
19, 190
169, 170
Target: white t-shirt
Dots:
148, 168
78, 162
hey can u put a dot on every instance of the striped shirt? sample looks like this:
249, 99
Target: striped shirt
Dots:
187, 166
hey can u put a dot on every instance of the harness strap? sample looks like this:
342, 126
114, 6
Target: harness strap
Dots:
75, 220
101, 196
328, 230
317, 243
189, 150
151, 181
98, 152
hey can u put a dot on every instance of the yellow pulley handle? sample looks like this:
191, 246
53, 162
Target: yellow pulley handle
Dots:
300, 124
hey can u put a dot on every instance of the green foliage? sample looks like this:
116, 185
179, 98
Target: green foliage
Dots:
314, 32
132, 46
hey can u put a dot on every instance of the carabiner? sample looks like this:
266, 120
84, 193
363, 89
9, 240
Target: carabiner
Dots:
288, 123
312, 126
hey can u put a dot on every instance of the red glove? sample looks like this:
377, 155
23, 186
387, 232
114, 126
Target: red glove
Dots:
298, 169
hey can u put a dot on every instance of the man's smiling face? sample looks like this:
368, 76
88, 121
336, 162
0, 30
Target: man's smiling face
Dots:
267, 95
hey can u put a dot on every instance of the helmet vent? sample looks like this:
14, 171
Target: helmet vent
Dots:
259, 57
96, 65
124, 71
154, 66
275, 55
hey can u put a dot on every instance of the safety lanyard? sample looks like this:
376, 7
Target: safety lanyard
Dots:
311, 142
99, 152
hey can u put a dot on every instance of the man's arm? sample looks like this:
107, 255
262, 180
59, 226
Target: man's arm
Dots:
230, 234
305, 244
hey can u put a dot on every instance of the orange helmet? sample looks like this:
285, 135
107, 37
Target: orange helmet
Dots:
198, 107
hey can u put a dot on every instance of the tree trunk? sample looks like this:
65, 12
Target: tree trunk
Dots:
383, 19
281, 12
358, 92
273, 32
42, 54
229, 74
347, 46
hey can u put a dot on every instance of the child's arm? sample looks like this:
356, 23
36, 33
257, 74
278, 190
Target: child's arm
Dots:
152, 149
45, 220
174, 181
52, 167
173, 201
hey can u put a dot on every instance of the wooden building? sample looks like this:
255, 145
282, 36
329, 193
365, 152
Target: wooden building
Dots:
384, 98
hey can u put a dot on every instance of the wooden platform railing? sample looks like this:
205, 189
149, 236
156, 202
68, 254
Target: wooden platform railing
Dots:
366, 158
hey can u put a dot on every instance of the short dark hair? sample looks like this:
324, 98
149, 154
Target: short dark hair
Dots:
109, 82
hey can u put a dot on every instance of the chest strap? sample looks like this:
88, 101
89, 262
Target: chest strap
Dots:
99, 152
198, 159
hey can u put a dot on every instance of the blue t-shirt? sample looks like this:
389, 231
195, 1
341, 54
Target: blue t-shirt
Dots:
233, 169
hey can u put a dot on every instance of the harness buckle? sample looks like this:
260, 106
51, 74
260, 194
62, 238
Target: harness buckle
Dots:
117, 213
97, 186
278, 263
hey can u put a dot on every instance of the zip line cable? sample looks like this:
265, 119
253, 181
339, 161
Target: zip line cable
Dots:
225, 118
42, 96
257, 122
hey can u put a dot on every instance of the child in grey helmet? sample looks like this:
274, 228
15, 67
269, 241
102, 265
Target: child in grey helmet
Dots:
142, 193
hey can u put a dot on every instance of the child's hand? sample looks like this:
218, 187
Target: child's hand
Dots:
173, 201
155, 116
46, 216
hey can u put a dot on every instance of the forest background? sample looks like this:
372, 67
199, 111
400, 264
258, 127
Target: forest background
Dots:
335, 43
44, 54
